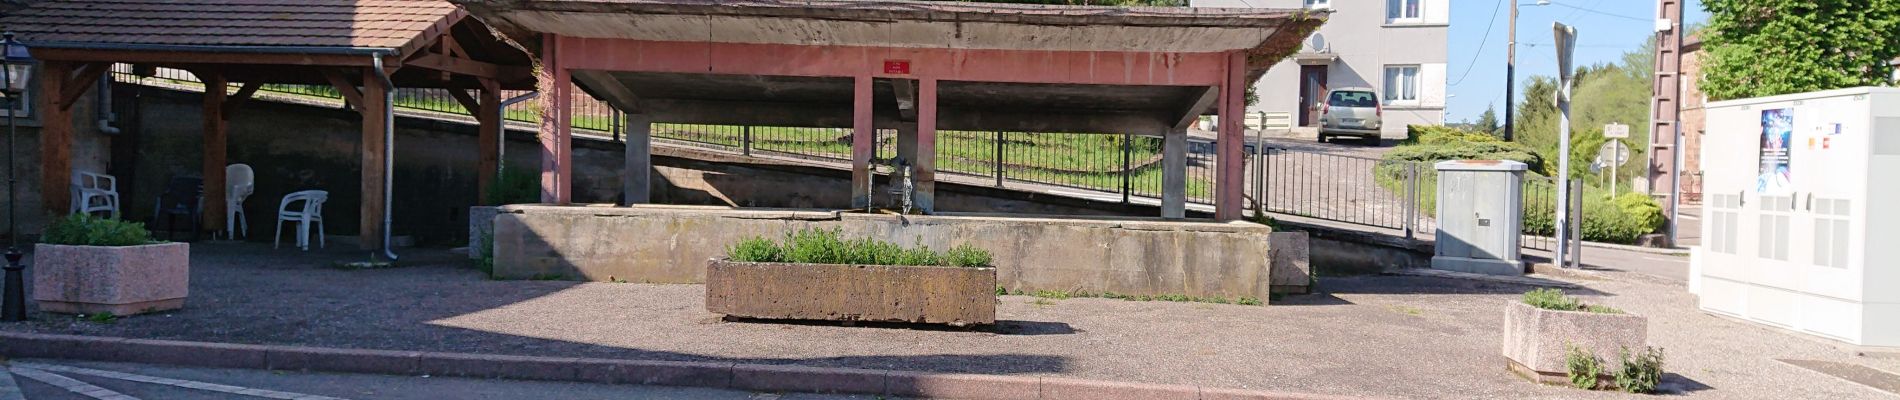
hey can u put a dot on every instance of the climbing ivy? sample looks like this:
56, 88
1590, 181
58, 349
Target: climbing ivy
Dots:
1770, 47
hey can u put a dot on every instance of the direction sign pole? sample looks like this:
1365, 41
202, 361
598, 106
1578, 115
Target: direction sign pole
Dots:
1566, 40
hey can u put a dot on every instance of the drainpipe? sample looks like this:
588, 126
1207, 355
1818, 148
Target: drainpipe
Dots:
501, 143
389, 149
104, 110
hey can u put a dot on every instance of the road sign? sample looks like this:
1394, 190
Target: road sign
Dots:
1616, 131
1614, 153
1566, 40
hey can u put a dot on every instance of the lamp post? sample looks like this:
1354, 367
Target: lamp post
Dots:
17, 71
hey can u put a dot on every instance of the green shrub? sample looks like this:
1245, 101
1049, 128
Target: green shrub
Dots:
87, 230
1553, 299
1582, 367
1439, 134
514, 186
827, 246
968, 256
1641, 372
1642, 209
1603, 221
756, 250
1550, 299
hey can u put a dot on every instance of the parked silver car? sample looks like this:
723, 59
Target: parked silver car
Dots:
1352, 111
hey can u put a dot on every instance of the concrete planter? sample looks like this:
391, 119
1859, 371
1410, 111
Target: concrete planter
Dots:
1536, 340
122, 280
956, 296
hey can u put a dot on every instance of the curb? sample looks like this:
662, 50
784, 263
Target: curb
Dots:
726, 375
1671, 251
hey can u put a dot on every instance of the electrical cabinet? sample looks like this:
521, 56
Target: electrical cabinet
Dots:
1801, 213
1479, 216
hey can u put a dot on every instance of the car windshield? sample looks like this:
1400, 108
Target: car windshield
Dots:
1353, 99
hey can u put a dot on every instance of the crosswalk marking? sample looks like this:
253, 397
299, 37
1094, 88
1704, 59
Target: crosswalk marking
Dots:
70, 384
42, 372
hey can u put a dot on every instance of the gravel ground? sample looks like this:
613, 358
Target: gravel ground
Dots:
1388, 336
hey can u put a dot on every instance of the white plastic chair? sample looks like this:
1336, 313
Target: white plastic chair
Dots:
88, 187
240, 182
310, 211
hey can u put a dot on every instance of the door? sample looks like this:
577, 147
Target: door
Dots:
1312, 89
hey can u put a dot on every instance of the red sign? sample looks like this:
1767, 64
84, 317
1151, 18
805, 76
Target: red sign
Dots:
897, 67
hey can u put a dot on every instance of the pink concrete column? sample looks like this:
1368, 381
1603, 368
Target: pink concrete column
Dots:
1230, 175
861, 147
556, 121
924, 166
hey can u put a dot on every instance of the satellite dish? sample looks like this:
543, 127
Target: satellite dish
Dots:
1317, 43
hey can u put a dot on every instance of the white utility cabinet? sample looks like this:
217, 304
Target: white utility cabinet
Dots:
1801, 213
1480, 216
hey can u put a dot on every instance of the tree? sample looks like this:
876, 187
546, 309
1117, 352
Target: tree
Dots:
1488, 122
1602, 94
1769, 47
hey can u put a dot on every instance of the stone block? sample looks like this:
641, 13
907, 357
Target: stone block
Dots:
651, 372
481, 227
918, 294
792, 378
925, 385
1536, 340
1292, 269
1077, 389
122, 280
668, 244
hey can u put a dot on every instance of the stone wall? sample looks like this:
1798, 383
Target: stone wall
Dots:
670, 244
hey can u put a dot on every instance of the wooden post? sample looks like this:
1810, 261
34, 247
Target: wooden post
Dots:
861, 145
924, 165
556, 122
1229, 177
489, 138
215, 147
370, 232
56, 140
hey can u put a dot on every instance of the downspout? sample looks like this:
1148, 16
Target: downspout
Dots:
501, 142
389, 150
104, 110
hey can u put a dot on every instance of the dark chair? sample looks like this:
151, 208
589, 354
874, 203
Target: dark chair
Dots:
182, 196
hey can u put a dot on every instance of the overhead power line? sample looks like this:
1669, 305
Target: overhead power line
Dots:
1592, 11
1471, 65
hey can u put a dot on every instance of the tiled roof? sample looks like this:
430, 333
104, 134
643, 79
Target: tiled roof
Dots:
322, 23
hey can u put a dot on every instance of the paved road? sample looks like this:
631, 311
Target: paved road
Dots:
76, 380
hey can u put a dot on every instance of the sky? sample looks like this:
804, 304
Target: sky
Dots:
1476, 60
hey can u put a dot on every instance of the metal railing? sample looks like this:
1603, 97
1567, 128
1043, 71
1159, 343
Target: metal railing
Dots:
1399, 195
1124, 165
1345, 188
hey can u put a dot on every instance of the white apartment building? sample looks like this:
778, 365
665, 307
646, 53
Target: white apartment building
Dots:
1395, 47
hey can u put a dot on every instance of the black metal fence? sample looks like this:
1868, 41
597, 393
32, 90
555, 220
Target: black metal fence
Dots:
1399, 195
1124, 165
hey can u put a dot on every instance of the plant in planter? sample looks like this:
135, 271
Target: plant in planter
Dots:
1553, 338
817, 274
91, 265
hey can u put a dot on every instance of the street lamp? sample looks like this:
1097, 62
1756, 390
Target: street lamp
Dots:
16, 72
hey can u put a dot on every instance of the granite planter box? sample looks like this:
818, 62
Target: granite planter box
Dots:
122, 280
1536, 340
957, 296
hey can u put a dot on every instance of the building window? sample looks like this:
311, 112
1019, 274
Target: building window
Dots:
1397, 11
1401, 84
1319, 4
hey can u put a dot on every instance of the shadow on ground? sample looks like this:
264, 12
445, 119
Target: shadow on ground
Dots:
250, 293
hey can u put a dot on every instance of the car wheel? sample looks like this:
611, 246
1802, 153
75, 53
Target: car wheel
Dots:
1370, 141
1322, 138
